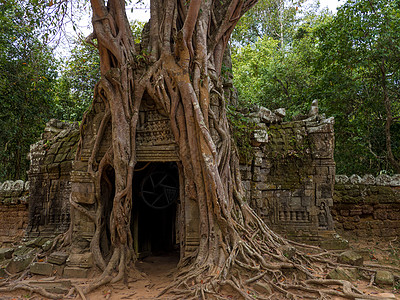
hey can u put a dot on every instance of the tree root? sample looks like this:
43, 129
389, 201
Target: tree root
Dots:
32, 289
80, 291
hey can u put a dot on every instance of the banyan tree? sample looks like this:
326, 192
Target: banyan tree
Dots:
175, 72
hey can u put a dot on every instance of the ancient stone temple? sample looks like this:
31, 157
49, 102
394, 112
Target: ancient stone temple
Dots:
50, 179
288, 181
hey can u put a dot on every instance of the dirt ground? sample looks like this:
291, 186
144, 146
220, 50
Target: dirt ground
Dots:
158, 273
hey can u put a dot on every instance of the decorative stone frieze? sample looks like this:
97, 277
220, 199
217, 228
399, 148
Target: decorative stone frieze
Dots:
368, 179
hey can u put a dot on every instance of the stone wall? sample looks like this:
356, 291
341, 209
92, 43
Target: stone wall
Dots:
289, 181
367, 207
291, 178
13, 211
50, 179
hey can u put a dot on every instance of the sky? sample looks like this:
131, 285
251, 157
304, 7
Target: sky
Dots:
331, 4
144, 14
141, 14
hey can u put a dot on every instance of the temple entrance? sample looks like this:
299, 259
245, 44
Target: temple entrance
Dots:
154, 210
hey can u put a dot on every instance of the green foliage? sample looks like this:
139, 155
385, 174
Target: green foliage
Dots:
360, 63
349, 62
80, 73
137, 28
275, 19
273, 77
74, 92
27, 74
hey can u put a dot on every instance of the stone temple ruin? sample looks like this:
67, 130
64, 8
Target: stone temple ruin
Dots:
289, 181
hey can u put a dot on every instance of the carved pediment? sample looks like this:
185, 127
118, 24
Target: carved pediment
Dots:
154, 139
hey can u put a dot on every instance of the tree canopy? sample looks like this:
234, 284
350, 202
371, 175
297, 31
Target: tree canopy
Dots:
349, 62
27, 76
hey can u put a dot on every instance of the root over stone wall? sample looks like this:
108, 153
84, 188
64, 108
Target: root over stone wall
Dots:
289, 182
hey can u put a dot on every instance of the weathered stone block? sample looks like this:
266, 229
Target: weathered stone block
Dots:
262, 186
376, 224
364, 225
341, 273
82, 188
383, 179
306, 201
380, 214
256, 174
335, 243
295, 202
19, 263
393, 215
344, 212
395, 180
348, 226
41, 268
355, 211
84, 260
367, 209
341, 179
368, 179
57, 258
363, 233
351, 258
256, 194
60, 157
22, 250
388, 232
37, 242
47, 245
355, 179
384, 277
58, 270
6, 253
258, 161
75, 272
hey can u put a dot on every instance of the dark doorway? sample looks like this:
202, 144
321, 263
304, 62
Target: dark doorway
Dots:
156, 196
107, 198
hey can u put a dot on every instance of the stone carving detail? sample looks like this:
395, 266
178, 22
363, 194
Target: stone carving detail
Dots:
153, 127
368, 179
294, 216
14, 192
154, 138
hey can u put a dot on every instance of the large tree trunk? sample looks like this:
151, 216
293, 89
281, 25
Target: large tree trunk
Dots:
179, 68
